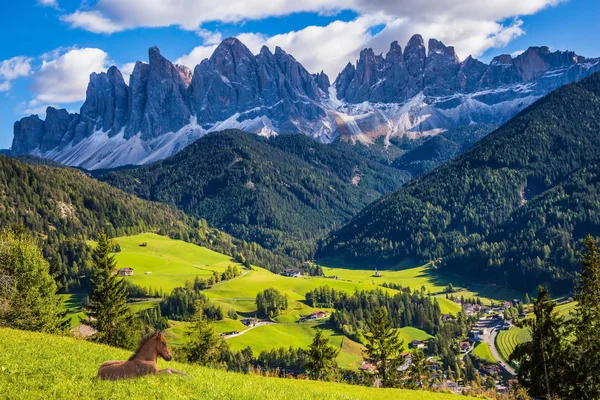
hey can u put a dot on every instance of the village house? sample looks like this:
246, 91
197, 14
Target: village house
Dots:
417, 344
464, 346
447, 317
313, 316
124, 272
249, 322
292, 273
367, 366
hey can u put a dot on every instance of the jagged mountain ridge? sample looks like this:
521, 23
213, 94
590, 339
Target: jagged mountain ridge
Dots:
165, 107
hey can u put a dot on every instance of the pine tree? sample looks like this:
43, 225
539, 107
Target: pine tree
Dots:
204, 345
587, 324
384, 347
28, 298
107, 311
321, 358
469, 369
543, 360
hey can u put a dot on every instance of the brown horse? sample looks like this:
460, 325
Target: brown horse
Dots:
142, 362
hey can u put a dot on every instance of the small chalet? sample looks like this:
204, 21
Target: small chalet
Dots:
417, 344
318, 315
447, 317
464, 346
249, 322
292, 273
125, 271
368, 367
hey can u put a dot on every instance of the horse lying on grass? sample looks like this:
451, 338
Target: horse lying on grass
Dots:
142, 362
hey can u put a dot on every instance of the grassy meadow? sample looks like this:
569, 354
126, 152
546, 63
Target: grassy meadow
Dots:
506, 341
39, 366
170, 263
482, 350
165, 263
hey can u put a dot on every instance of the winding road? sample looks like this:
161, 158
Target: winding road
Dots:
491, 340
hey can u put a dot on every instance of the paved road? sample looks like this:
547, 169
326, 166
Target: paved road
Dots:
491, 340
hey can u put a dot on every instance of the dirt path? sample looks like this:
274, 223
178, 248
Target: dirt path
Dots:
262, 323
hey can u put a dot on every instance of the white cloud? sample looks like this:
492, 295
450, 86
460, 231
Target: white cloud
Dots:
48, 3
209, 37
15, 67
517, 53
92, 21
108, 16
4, 86
65, 78
127, 70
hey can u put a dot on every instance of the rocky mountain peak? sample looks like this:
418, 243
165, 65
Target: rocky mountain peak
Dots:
408, 91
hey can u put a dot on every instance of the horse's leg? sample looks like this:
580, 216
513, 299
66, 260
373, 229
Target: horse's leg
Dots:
171, 371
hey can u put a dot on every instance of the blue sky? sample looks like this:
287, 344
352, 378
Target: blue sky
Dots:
51, 46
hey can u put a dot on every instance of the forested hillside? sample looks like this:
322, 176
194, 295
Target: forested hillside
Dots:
282, 193
508, 192
66, 207
441, 148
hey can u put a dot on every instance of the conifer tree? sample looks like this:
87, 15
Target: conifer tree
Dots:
384, 347
543, 359
28, 298
204, 345
587, 324
321, 358
107, 311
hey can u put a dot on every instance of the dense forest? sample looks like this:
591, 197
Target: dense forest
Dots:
282, 192
405, 308
479, 211
65, 208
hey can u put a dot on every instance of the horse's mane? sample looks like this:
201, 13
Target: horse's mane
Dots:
143, 342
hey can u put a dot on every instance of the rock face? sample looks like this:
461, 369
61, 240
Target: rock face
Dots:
409, 92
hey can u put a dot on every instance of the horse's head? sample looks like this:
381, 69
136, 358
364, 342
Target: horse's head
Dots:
161, 347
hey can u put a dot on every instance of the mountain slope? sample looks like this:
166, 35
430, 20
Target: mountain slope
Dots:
441, 148
410, 93
35, 364
66, 207
466, 201
278, 192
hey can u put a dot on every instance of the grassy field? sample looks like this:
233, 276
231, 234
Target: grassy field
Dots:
482, 350
506, 341
165, 263
74, 301
408, 334
37, 366
414, 276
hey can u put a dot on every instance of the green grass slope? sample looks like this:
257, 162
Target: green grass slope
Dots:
167, 263
38, 366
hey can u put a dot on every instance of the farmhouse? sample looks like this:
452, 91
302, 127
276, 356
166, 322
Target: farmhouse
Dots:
292, 273
447, 317
250, 322
464, 346
125, 272
417, 344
